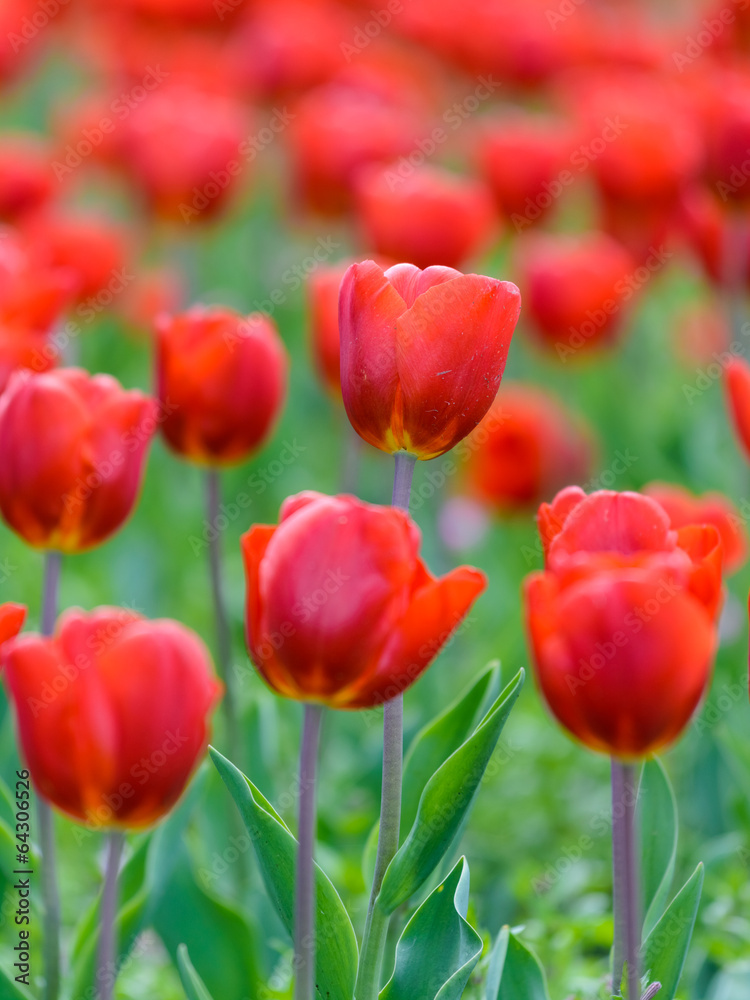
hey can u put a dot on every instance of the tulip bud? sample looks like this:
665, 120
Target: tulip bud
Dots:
222, 382
622, 621
428, 217
422, 353
112, 713
73, 451
340, 608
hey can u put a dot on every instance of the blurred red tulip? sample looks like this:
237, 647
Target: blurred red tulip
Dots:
525, 449
222, 382
719, 237
26, 179
340, 608
323, 290
91, 247
422, 353
622, 621
112, 713
728, 136
335, 131
685, 508
33, 295
424, 215
527, 161
12, 617
24, 350
184, 150
737, 388
74, 448
576, 288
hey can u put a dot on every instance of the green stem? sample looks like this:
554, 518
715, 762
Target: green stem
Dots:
107, 957
376, 924
48, 866
304, 910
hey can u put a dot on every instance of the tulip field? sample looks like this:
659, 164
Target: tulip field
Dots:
374, 500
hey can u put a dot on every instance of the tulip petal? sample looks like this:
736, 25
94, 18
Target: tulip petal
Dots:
434, 613
451, 349
12, 617
369, 307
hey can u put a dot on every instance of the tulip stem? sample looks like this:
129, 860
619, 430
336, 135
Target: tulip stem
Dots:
304, 911
626, 881
107, 960
376, 924
223, 635
50, 894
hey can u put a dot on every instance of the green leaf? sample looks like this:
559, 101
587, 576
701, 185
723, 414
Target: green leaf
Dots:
218, 937
657, 817
444, 804
666, 947
195, 988
438, 950
10, 990
276, 850
441, 737
515, 972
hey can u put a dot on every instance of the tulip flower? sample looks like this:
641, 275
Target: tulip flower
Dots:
526, 448
112, 713
710, 227
684, 508
33, 293
225, 377
576, 289
341, 610
429, 216
527, 161
622, 621
422, 353
73, 451
26, 179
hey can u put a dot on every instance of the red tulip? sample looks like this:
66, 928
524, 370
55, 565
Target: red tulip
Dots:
728, 135
33, 295
738, 399
340, 608
26, 180
527, 161
526, 448
222, 381
577, 288
183, 148
112, 713
683, 508
422, 353
622, 621
712, 231
88, 246
73, 450
12, 617
336, 131
323, 290
427, 216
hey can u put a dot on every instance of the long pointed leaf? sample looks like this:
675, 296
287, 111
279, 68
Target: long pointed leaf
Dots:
666, 948
657, 816
195, 988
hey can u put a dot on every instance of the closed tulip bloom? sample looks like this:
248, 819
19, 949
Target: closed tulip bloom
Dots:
222, 382
622, 622
576, 289
525, 450
422, 353
684, 508
340, 608
429, 217
112, 713
73, 452
12, 617
738, 399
